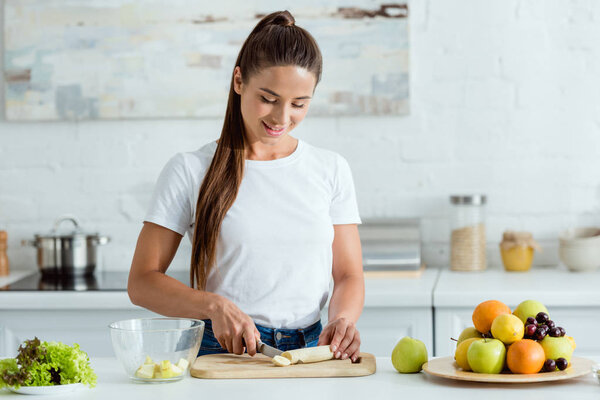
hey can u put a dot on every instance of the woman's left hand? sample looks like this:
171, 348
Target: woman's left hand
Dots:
343, 337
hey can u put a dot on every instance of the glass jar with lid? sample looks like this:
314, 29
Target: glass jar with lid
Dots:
467, 239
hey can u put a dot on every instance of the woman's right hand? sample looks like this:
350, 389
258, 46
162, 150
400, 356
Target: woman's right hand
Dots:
230, 325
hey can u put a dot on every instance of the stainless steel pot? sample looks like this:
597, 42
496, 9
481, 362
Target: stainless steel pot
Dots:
68, 253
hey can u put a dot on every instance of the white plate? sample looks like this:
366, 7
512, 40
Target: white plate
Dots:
47, 390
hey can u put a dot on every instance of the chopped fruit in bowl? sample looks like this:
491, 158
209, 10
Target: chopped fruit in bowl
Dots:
164, 369
173, 341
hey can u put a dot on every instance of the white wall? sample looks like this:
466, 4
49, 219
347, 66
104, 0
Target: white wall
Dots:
505, 100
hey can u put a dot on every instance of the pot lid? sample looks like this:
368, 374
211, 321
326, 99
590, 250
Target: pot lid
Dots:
62, 232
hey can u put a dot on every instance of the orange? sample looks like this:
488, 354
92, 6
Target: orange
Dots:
525, 357
486, 312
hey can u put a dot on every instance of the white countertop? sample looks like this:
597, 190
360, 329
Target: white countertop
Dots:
14, 276
386, 383
401, 292
555, 287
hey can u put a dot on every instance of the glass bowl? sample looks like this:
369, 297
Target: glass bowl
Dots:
148, 348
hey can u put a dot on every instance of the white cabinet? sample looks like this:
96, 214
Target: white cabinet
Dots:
68, 317
88, 328
381, 328
449, 323
395, 308
572, 299
432, 308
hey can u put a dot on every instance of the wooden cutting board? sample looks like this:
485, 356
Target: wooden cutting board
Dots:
232, 366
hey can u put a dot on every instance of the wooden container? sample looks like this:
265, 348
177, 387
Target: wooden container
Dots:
4, 264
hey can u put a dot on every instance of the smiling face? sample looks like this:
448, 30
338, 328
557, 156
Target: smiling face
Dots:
274, 101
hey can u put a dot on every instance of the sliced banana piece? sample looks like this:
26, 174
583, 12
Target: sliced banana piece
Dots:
280, 361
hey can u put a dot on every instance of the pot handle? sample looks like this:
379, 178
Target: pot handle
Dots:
66, 217
29, 242
101, 240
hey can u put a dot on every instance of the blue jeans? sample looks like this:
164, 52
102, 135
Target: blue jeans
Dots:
282, 339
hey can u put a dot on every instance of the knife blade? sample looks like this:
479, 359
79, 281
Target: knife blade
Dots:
267, 350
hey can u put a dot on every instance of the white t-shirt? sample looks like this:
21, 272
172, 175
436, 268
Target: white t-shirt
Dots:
274, 252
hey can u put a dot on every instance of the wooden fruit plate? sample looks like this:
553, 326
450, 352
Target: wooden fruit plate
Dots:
446, 367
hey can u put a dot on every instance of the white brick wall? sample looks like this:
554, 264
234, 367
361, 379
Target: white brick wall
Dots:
505, 100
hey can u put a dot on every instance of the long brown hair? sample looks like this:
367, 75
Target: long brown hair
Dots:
274, 41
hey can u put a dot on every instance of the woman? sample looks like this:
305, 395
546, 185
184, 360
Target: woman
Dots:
271, 218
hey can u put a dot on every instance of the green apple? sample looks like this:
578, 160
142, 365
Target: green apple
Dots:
529, 308
486, 356
409, 355
557, 347
468, 333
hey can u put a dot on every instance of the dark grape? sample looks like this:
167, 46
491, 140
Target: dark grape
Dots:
542, 328
531, 321
561, 364
487, 335
549, 365
540, 333
542, 317
562, 331
554, 332
550, 324
530, 329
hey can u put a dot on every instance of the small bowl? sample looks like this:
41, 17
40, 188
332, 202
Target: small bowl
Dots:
160, 339
580, 259
580, 237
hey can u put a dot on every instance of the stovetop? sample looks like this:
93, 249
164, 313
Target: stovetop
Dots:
100, 281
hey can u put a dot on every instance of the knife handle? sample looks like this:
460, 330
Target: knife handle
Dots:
258, 343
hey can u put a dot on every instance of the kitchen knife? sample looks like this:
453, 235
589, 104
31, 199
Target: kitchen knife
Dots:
264, 348
267, 350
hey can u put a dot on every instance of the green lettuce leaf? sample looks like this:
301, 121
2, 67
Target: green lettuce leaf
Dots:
9, 370
70, 363
47, 364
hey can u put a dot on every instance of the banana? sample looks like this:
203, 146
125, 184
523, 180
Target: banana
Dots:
280, 361
308, 354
